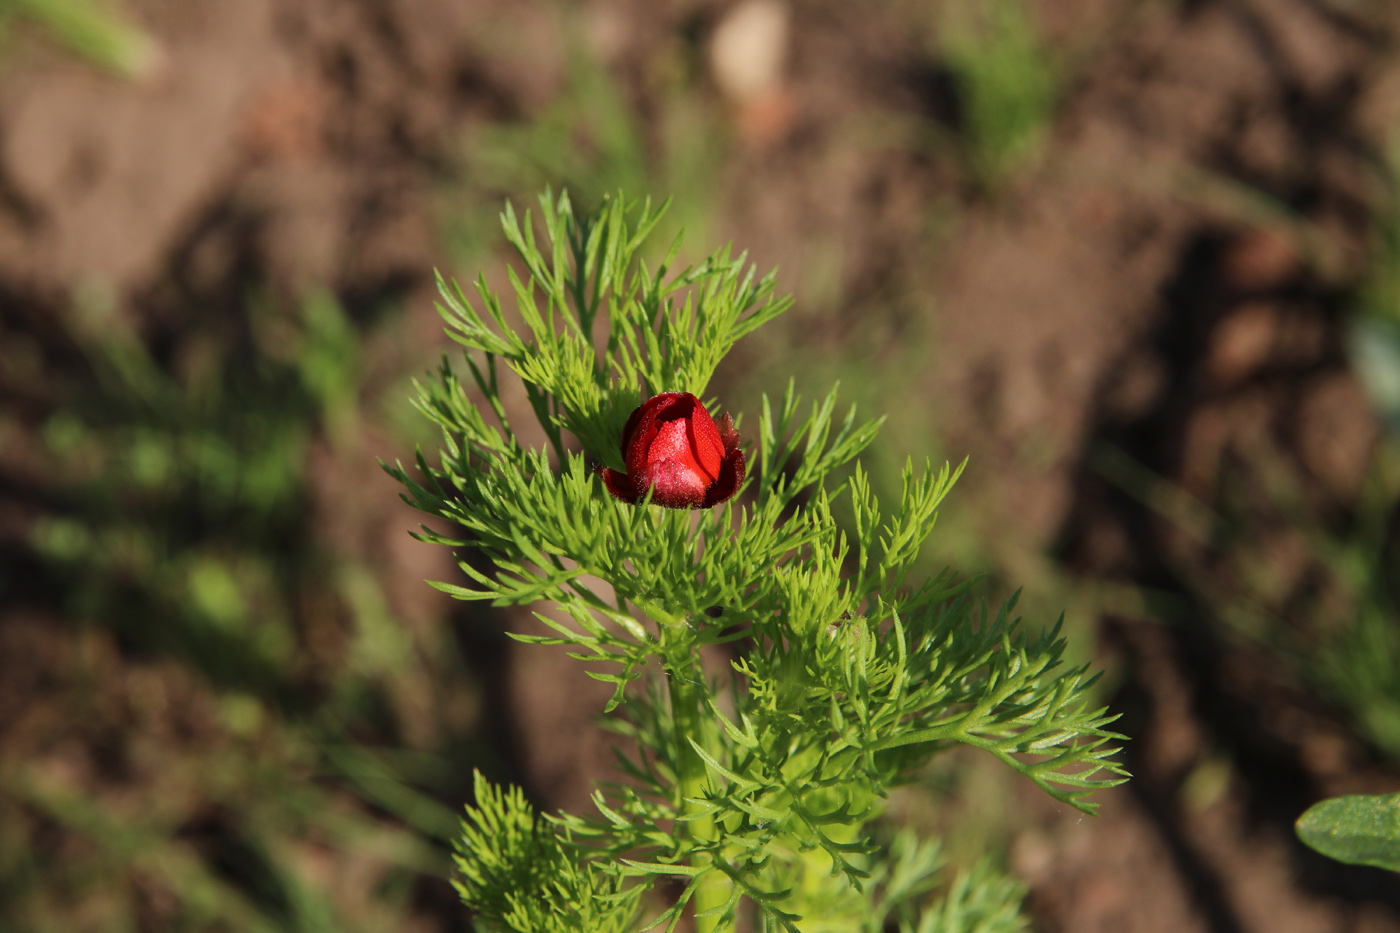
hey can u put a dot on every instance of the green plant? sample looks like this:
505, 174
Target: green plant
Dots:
1359, 829
1007, 85
759, 782
89, 29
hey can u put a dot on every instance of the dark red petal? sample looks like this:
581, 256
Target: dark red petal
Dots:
731, 476
706, 442
673, 444
674, 485
619, 485
642, 428
631, 426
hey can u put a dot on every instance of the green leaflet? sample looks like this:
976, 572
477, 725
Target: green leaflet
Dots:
1360, 829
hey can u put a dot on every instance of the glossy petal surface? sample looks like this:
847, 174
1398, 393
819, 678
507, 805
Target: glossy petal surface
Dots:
672, 446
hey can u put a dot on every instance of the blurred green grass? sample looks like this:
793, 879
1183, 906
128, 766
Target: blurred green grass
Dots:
594, 141
1332, 622
178, 531
91, 29
1008, 85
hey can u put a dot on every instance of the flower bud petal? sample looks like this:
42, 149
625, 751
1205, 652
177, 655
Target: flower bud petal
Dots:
673, 447
673, 444
705, 440
619, 485
674, 485
731, 476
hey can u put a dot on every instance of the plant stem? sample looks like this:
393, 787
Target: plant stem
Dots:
687, 687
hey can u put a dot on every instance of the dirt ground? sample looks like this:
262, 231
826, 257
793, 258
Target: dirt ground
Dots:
1170, 279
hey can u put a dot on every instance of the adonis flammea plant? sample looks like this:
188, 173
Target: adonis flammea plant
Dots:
760, 800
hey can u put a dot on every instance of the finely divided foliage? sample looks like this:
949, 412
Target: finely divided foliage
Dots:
850, 675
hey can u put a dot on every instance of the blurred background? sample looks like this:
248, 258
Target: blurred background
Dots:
1139, 260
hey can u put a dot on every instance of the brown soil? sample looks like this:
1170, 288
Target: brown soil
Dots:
1125, 291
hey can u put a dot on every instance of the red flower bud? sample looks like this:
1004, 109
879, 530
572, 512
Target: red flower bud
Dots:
672, 446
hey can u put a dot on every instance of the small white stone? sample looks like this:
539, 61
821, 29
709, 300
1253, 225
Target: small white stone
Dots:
749, 49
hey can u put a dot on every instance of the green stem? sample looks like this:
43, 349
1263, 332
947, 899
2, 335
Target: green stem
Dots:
687, 686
